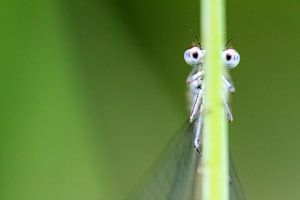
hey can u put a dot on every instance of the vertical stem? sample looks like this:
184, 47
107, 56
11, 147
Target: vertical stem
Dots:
215, 184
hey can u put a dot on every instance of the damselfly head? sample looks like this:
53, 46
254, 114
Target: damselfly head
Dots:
194, 56
231, 58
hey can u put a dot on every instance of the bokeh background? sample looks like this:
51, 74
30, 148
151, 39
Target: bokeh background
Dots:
92, 91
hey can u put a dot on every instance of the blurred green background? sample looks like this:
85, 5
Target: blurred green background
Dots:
92, 91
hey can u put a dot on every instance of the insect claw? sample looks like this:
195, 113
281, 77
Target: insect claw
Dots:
197, 150
230, 118
232, 89
192, 118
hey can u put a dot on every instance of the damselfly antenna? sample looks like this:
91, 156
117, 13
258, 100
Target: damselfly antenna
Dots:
198, 42
229, 41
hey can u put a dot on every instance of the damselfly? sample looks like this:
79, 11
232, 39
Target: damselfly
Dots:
176, 172
194, 57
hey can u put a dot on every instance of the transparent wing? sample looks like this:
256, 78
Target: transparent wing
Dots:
236, 188
174, 175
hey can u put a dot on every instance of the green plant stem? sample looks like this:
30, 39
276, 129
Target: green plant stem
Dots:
215, 185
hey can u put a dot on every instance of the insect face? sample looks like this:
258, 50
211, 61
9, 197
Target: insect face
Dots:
194, 56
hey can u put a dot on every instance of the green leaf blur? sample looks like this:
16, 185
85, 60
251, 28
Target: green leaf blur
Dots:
92, 91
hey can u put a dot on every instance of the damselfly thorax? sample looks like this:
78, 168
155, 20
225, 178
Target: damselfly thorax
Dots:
195, 81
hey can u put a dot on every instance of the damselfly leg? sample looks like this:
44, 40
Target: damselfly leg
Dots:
195, 57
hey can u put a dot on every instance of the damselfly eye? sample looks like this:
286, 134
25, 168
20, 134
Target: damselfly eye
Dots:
193, 56
231, 58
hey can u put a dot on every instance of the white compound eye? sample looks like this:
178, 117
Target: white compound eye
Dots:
231, 58
193, 56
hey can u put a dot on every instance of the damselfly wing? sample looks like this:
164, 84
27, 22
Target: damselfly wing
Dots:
176, 174
173, 176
